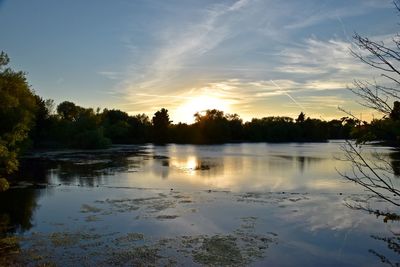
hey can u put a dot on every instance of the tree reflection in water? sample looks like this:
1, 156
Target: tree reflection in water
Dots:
395, 162
17, 207
393, 244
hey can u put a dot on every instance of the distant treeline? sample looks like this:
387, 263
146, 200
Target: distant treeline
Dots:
73, 126
77, 127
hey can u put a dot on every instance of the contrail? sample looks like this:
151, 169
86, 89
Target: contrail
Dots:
294, 100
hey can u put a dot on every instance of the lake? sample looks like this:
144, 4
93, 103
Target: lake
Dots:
182, 205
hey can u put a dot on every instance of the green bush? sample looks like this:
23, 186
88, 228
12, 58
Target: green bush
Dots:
3, 185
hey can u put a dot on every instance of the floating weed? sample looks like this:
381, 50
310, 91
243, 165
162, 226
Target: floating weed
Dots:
219, 251
85, 208
137, 256
9, 250
185, 201
166, 217
240, 247
130, 237
64, 239
92, 218
271, 198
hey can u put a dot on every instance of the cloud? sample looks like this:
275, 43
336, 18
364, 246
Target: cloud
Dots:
238, 5
322, 12
331, 58
233, 52
184, 44
112, 75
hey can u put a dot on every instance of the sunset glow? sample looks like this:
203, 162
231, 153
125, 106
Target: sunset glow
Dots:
188, 56
185, 112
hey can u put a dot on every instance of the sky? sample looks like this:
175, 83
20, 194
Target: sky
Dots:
256, 58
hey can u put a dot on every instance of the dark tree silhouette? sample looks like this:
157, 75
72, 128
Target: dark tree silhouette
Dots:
301, 118
68, 111
395, 113
161, 123
375, 173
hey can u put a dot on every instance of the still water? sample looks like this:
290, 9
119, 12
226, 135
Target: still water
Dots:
181, 205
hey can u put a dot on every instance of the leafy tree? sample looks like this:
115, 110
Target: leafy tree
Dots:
116, 126
76, 127
213, 126
161, 123
17, 114
43, 121
68, 111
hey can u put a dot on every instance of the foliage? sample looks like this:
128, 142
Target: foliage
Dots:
3, 184
161, 124
17, 113
86, 129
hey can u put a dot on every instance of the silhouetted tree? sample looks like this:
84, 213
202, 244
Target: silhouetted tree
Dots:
301, 118
376, 174
116, 126
68, 111
213, 126
161, 123
395, 113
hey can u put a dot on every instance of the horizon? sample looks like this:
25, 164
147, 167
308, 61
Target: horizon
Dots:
250, 57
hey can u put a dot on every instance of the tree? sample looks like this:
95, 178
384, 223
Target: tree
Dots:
301, 118
161, 123
395, 113
375, 173
68, 111
213, 126
17, 114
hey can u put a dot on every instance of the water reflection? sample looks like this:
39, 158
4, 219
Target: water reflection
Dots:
17, 207
393, 244
236, 167
292, 190
395, 162
90, 168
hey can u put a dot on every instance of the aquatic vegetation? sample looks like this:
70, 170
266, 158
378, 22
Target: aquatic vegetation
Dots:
63, 239
237, 248
92, 218
147, 206
9, 245
281, 198
219, 251
85, 208
138, 256
167, 217
130, 237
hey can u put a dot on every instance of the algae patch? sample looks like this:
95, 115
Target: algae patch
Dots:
138, 256
130, 237
166, 217
85, 208
219, 251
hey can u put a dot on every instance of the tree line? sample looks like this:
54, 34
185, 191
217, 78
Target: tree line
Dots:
72, 126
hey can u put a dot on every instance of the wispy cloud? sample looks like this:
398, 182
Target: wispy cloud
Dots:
234, 51
112, 75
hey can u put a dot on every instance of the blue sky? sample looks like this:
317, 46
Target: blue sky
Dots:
256, 58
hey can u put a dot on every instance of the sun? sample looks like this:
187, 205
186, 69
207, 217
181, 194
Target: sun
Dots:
185, 112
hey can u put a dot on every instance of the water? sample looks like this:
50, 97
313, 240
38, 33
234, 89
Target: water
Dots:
234, 204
